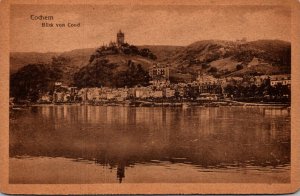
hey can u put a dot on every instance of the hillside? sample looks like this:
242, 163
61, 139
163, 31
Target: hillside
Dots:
164, 53
222, 57
216, 57
116, 66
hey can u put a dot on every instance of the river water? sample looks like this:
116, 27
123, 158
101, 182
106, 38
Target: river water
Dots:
115, 144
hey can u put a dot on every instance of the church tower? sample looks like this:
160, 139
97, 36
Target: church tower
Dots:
120, 38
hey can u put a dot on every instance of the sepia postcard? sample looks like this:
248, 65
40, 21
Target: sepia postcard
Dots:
149, 97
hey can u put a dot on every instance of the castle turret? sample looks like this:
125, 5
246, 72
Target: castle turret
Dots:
120, 38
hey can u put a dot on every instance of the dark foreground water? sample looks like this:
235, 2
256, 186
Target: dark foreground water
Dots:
96, 144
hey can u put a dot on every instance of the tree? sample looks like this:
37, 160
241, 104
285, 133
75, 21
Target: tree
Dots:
102, 73
32, 80
96, 75
213, 70
60, 60
239, 67
144, 52
133, 49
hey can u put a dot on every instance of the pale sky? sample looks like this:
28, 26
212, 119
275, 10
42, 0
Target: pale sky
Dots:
143, 25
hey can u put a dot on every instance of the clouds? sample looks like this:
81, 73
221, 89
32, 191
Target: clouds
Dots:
160, 25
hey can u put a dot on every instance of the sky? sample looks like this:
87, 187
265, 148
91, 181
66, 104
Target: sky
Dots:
143, 25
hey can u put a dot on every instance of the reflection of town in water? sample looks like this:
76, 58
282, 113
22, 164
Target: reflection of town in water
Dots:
121, 137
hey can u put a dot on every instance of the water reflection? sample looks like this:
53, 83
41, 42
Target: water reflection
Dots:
120, 137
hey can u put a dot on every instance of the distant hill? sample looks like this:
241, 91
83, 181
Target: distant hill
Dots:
216, 57
76, 59
21, 59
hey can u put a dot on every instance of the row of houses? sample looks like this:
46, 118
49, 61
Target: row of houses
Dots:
280, 80
273, 80
72, 94
204, 86
122, 94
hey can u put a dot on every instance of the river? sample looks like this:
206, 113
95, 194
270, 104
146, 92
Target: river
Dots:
114, 144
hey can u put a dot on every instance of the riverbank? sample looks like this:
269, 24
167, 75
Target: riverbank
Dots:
143, 103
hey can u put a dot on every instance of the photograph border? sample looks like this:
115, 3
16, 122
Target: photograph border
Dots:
150, 188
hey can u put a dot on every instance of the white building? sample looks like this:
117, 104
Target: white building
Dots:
284, 80
170, 92
157, 94
142, 92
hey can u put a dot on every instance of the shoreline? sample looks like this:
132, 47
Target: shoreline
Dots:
141, 103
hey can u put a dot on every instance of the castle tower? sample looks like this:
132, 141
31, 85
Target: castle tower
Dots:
120, 38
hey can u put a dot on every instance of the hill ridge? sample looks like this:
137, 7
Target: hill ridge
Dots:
216, 57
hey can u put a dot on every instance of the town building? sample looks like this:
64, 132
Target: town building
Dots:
61, 97
61, 93
234, 80
156, 94
160, 75
169, 92
45, 98
284, 80
260, 80
142, 92
209, 84
180, 89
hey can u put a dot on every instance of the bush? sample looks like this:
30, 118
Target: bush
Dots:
239, 67
213, 70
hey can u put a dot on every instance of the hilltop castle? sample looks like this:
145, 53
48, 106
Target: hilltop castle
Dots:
119, 46
119, 41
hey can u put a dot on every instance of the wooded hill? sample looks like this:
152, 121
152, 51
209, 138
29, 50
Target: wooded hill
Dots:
216, 57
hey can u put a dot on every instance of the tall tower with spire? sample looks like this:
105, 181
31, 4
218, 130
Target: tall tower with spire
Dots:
120, 38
